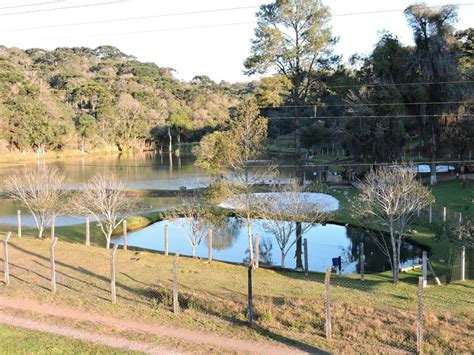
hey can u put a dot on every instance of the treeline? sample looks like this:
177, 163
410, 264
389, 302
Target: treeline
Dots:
398, 101
82, 98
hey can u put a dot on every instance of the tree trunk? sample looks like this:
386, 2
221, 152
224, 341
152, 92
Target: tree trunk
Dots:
170, 146
299, 246
433, 177
40, 232
109, 237
193, 251
283, 256
250, 239
395, 263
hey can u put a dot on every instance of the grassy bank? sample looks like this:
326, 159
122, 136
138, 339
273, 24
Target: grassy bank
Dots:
373, 315
21, 341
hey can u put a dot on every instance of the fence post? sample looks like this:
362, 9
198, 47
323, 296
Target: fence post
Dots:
327, 303
444, 214
18, 219
209, 245
53, 265
250, 297
88, 231
125, 234
6, 265
425, 268
112, 274
420, 318
257, 251
436, 278
430, 214
305, 246
53, 227
166, 240
463, 263
175, 284
362, 262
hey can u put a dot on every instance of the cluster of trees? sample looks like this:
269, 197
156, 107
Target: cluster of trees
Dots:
81, 98
399, 99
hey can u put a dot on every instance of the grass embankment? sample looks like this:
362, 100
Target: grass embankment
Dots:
373, 315
21, 341
449, 194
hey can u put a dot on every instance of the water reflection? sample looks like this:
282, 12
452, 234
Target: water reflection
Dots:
324, 243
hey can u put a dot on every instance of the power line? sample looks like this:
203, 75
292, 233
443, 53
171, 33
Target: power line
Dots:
135, 18
366, 116
30, 5
400, 84
63, 8
126, 19
319, 104
194, 27
278, 166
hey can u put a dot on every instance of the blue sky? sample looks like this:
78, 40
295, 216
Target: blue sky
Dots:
214, 51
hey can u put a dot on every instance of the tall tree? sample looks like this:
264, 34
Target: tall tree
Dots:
292, 37
435, 60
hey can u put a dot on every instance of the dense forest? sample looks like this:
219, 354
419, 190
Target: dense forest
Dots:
398, 100
81, 98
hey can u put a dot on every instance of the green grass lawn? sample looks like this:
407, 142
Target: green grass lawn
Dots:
289, 307
21, 341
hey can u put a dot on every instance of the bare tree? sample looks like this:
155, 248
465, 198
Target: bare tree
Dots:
283, 209
105, 198
41, 191
390, 198
195, 219
231, 157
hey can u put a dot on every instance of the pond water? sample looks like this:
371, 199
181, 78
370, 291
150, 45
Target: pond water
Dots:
230, 243
138, 171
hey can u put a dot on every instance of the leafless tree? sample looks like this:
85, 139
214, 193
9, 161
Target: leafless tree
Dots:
283, 208
105, 198
390, 198
41, 191
195, 219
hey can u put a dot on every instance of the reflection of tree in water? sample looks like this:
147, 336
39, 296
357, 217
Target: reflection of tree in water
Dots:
265, 258
376, 246
225, 233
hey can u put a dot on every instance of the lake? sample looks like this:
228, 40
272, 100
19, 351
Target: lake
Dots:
230, 243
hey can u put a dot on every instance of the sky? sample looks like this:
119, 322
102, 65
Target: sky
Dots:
207, 48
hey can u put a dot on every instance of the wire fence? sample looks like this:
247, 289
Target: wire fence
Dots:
291, 307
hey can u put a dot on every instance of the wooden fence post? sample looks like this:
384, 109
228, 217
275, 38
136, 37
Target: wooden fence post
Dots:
257, 251
327, 303
436, 278
305, 247
250, 296
420, 318
425, 268
18, 219
53, 227
6, 265
175, 284
166, 240
430, 214
362, 262
53, 265
112, 274
125, 234
209, 245
463, 263
88, 231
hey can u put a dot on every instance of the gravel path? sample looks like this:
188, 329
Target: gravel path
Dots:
195, 337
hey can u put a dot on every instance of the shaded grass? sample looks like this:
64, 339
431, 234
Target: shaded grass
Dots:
373, 315
21, 341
